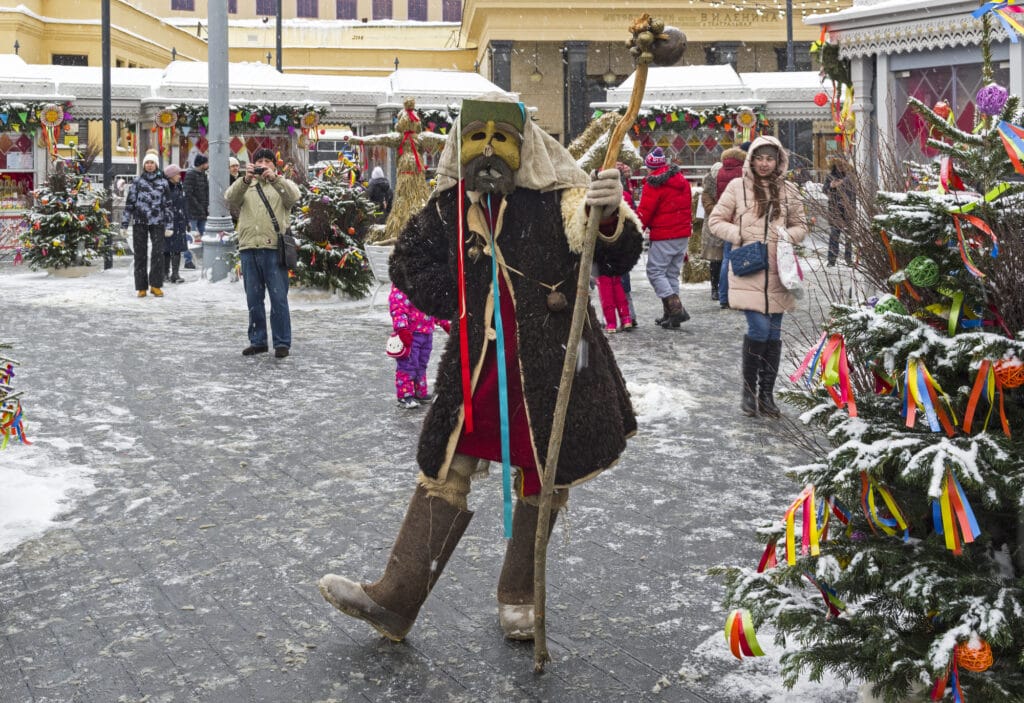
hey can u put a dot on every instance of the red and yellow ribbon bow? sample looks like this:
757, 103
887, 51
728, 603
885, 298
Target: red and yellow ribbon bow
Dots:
829, 359
868, 487
810, 532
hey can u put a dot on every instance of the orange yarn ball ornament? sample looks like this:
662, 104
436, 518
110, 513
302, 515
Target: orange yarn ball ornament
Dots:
1010, 372
974, 659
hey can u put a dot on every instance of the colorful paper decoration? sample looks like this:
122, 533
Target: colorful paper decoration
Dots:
166, 119
51, 115
739, 633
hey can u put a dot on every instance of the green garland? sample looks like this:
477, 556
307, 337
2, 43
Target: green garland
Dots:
683, 119
250, 117
18, 116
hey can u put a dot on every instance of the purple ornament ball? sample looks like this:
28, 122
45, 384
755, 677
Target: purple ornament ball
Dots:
991, 99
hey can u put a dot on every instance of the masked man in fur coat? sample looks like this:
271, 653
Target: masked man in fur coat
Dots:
510, 206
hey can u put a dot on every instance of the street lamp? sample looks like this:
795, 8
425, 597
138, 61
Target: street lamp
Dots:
16, 47
269, 56
790, 59
174, 53
396, 63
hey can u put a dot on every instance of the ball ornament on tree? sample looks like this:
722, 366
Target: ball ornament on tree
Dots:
821, 99
890, 303
942, 109
991, 99
1010, 372
976, 657
923, 271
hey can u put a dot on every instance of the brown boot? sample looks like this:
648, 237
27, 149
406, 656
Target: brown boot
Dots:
664, 312
676, 312
429, 534
515, 586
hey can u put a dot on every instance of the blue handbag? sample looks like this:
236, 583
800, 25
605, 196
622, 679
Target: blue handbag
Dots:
749, 259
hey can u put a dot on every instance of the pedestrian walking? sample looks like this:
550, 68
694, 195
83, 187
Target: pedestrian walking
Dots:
416, 330
264, 199
176, 238
523, 203
761, 207
731, 167
234, 173
841, 190
626, 174
149, 209
380, 192
665, 205
197, 193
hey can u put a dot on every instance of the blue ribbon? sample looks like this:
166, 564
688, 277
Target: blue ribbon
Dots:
506, 451
926, 400
968, 510
992, 7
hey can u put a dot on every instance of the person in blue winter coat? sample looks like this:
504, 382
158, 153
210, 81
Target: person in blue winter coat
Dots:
416, 330
148, 209
176, 239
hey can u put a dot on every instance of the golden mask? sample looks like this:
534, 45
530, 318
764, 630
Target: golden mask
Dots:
491, 138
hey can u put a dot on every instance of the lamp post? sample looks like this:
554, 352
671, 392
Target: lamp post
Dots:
16, 47
279, 36
108, 253
217, 244
790, 58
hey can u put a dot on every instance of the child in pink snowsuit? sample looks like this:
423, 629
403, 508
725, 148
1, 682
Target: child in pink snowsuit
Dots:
416, 331
613, 301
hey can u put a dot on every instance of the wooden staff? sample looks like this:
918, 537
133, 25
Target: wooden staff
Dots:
652, 42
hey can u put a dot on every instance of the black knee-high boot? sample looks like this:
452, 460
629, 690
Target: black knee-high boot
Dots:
752, 352
767, 372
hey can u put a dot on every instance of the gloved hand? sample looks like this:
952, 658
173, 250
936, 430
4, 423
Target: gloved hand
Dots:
405, 334
605, 189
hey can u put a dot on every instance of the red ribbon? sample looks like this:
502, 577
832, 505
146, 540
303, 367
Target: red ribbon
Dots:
411, 138
467, 382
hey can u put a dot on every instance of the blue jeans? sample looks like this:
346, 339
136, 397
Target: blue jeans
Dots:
197, 226
761, 327
263, 274
723, 276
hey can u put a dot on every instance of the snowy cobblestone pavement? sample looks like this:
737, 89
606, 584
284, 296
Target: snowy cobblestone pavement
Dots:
223, 487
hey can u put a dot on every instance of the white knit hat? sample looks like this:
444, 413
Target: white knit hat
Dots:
151, 156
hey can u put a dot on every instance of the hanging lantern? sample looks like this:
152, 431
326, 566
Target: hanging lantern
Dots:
310, 120
821, 99
975, 659
165, 119
52, 115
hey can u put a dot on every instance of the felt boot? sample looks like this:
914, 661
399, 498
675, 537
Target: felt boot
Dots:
664, 312
766, 374
429, 534
515, 586
676, 312
751, 365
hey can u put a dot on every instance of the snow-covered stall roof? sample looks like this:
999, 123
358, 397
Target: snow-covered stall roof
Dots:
436, 89
786, 95
19, 81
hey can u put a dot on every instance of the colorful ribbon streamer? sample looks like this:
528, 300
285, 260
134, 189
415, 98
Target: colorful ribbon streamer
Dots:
832, 602
888, 525
1013, 142
952, 675
986, 380
830, 360
948, 180
506, 450
921, 392
809, 532
953, 516
739, 633
962, 245
894, 265
467, 382
1007, 12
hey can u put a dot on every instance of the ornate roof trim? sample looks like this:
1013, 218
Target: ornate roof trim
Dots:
916, 35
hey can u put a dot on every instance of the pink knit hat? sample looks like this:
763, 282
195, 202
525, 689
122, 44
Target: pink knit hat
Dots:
656, 159
172, 170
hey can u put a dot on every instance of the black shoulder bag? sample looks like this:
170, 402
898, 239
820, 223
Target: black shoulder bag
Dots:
287, 245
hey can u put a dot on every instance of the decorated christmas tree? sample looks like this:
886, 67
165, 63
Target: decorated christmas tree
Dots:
901, 560
12, 426
330, 226
67, 226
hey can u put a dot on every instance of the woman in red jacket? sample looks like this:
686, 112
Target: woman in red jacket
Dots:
665, 211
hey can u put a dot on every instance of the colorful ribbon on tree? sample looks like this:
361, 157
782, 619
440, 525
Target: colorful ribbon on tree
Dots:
1008, 12
739, 633
987, 380
895, 266
952, 676
888, 525
958, 215
921, 392
832, 601
829, 359
1013, 142
953, 516
809, 533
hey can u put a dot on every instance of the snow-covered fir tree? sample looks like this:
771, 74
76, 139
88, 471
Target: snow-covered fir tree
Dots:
67, 225
330, 225
903, 561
